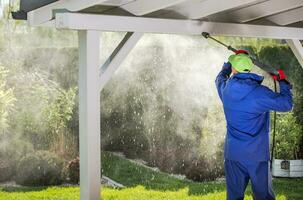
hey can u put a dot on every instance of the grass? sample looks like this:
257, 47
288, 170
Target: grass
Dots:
144, 184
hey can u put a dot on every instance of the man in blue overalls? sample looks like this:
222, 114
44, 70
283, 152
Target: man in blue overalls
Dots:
247, 104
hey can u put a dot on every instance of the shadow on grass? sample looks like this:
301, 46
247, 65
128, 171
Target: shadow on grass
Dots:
22, 189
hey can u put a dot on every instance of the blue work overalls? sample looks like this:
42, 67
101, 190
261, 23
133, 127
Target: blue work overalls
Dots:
247, 104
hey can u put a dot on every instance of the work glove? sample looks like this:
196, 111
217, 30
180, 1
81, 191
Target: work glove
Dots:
241, 51
279, 77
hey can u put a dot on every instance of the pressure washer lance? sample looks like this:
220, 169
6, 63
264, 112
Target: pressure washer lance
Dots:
256, 62
264, 67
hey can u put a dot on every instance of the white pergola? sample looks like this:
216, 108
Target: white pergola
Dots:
278, 19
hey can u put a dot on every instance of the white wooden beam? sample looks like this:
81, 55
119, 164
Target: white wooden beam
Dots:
142, 7
153, 25
262, 10
297, 49
288, 17
45, 13
89, 115
117, 57
200, 9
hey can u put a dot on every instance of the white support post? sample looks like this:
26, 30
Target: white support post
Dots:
297, 49
117, 57
89, 115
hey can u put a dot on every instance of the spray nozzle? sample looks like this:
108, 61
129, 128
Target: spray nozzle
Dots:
205, 34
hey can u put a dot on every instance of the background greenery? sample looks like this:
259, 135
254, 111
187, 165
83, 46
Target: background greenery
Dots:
160, 107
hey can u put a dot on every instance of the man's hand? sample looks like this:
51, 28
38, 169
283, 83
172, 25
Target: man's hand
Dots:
279, 77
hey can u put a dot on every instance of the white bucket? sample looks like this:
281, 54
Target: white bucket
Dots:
287, 168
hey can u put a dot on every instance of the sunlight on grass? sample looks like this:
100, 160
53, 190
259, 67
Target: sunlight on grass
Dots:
134, 193
141, 193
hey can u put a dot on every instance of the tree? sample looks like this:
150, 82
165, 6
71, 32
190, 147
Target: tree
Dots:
56, 116
7, 100
288, 136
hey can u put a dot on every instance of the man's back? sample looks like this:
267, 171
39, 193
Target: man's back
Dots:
246, 105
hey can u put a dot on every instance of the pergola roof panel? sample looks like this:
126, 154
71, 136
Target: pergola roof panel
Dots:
280, 12
274, 13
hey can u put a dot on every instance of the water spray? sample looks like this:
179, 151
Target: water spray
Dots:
270, 70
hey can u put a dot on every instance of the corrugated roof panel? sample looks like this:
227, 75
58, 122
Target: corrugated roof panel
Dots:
266, 12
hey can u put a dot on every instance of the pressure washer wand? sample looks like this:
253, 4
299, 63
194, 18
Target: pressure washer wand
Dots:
259, 64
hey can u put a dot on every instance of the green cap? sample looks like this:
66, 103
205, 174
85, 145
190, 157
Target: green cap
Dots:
241, 62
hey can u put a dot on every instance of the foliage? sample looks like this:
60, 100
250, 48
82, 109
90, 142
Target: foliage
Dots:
281, 57
7, 100
45, 116
288, 136
56, 116
10, 154
34, 92
71, 172
41, 168
5, 171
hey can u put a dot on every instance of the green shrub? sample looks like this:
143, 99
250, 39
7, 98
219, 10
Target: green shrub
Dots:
288, 137
71, 172
6, 171
202, 169
10, 155
39, 169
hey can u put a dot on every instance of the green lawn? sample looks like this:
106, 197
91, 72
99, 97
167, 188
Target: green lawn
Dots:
144, 184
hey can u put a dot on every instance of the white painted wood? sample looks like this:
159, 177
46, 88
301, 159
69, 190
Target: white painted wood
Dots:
264, 9
296, 168
277, 171
297, 49
89, 115
296, 174
296, 162
200, 9
288, 17
142, 7
117, 57
153, 25
45, 13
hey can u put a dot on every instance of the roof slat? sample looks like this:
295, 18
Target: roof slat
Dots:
288, 17
262, 10
200, 9
45, 13
142, 7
